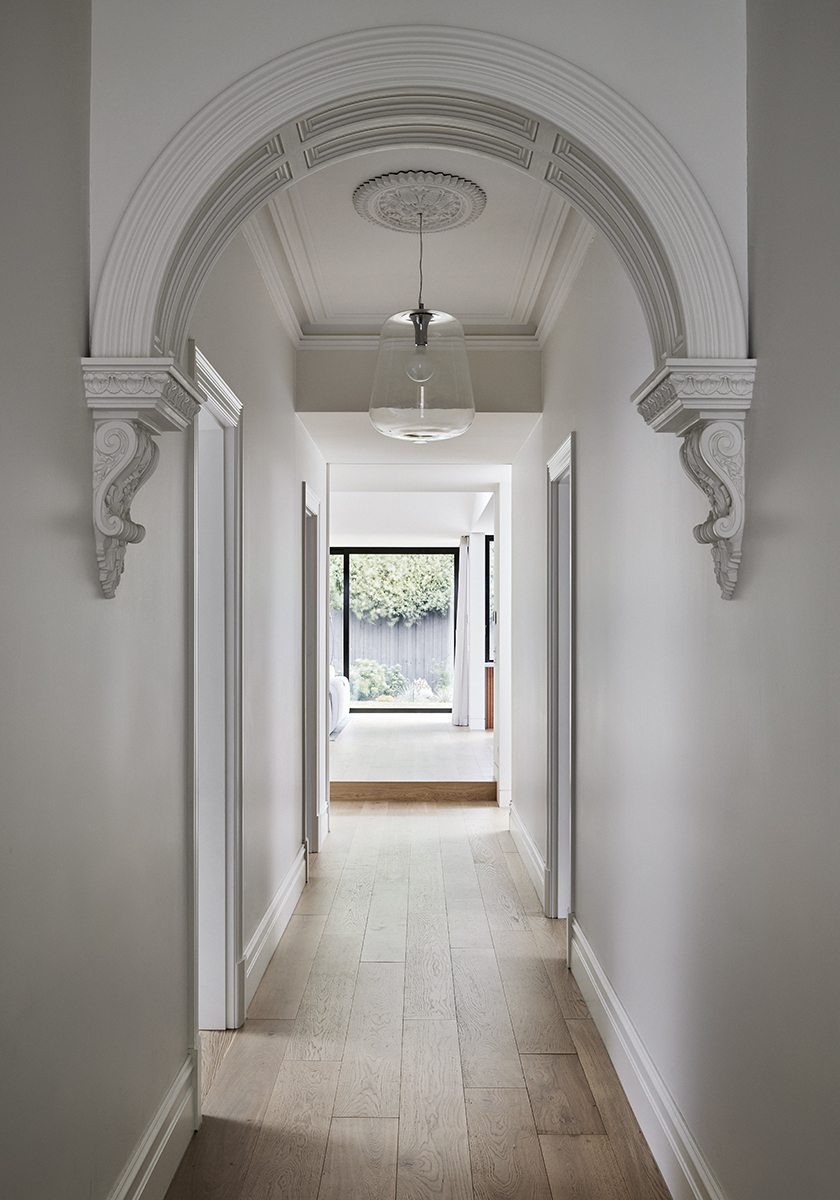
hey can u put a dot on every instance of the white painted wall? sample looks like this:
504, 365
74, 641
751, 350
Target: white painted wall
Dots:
94, 837
156, 64
236, 327
708, 821
342, 380
477, 603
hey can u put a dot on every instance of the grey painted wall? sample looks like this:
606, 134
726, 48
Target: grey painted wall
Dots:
93, 817
342, 380
708, 749
236, 326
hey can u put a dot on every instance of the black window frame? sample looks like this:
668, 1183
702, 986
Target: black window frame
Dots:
346, 551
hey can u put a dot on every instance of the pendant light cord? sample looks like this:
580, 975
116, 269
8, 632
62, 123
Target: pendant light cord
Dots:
420, 296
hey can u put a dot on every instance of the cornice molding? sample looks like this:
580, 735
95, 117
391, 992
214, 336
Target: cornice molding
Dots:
705, 401
475, 341
131, 400
217, 397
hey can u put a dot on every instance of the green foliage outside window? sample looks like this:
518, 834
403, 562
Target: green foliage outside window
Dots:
369, 680
393, 587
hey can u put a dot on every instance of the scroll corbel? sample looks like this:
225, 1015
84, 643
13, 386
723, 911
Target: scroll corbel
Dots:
704, 401
132, 400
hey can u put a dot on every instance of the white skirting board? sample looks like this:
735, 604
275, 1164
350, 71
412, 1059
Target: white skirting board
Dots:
528, 852
674, 1147
149, 1172
262, 945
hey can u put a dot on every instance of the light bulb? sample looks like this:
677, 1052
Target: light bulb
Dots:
419, 367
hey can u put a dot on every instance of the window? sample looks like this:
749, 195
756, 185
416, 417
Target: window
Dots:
392, 626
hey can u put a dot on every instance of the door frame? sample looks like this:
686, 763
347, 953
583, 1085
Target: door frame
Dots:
221, 402
315, 602
560, 864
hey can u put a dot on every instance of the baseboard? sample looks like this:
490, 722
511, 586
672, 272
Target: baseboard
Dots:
528, 852
262, 945
150, 1170
672, 1143
503, 797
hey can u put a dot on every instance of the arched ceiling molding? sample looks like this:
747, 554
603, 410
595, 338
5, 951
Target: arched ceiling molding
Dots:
487, 95
210, 177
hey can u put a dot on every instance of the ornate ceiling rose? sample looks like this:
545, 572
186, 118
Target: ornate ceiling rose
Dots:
396, 201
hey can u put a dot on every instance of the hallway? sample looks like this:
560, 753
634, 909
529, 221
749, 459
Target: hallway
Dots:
416, 1035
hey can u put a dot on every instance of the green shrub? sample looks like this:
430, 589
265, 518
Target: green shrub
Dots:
369, 680
393, 587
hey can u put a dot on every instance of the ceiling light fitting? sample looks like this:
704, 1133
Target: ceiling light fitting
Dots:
421, 389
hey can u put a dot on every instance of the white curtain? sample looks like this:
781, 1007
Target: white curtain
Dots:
461, 685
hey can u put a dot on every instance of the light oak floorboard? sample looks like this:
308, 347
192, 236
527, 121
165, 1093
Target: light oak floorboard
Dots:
582, 1168
641, 1173
425, 879
317, 897
369, 1083
309, 1109
460, 880
385, 933
434, 1160
219, 1154
489, 1057
501, 899
468, 927
281, 989
320, 1027
361, 1159
349, 911
289, 1156
534, 1008
215, 1044
505, 1153
522, 881
552, 946
561, 1098
428, 969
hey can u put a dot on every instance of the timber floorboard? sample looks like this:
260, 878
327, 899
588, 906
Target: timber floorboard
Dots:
416, 1035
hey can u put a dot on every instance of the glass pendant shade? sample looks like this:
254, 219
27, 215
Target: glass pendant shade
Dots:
422, 392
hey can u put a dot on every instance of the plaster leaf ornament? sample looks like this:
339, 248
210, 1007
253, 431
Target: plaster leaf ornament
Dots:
124, 456
132, 400
713, 456
704, 402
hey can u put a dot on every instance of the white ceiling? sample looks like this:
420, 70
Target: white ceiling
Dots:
349, 437
403, 518
332, 273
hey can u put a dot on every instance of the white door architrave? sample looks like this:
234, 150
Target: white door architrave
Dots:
559, 889
217, 709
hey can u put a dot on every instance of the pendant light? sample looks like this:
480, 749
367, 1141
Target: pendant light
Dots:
421, 389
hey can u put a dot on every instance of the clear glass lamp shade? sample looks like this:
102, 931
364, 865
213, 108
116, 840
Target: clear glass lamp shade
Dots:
422, 393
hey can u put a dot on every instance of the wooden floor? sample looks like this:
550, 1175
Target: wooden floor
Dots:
416, 1036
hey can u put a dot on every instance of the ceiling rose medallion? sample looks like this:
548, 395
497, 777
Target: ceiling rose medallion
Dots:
397, 201
422, 390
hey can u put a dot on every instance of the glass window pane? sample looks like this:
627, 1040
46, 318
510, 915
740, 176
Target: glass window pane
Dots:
401, 630
337, 613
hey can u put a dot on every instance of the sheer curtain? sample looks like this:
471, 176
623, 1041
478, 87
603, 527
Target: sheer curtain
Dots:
461, 684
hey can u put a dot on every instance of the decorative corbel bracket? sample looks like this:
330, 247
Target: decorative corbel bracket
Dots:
704, 401
132, 399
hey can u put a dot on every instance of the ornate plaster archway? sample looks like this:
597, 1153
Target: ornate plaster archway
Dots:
444, 87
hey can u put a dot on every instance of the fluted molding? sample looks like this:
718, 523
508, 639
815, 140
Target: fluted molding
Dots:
704, 401
132, 400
